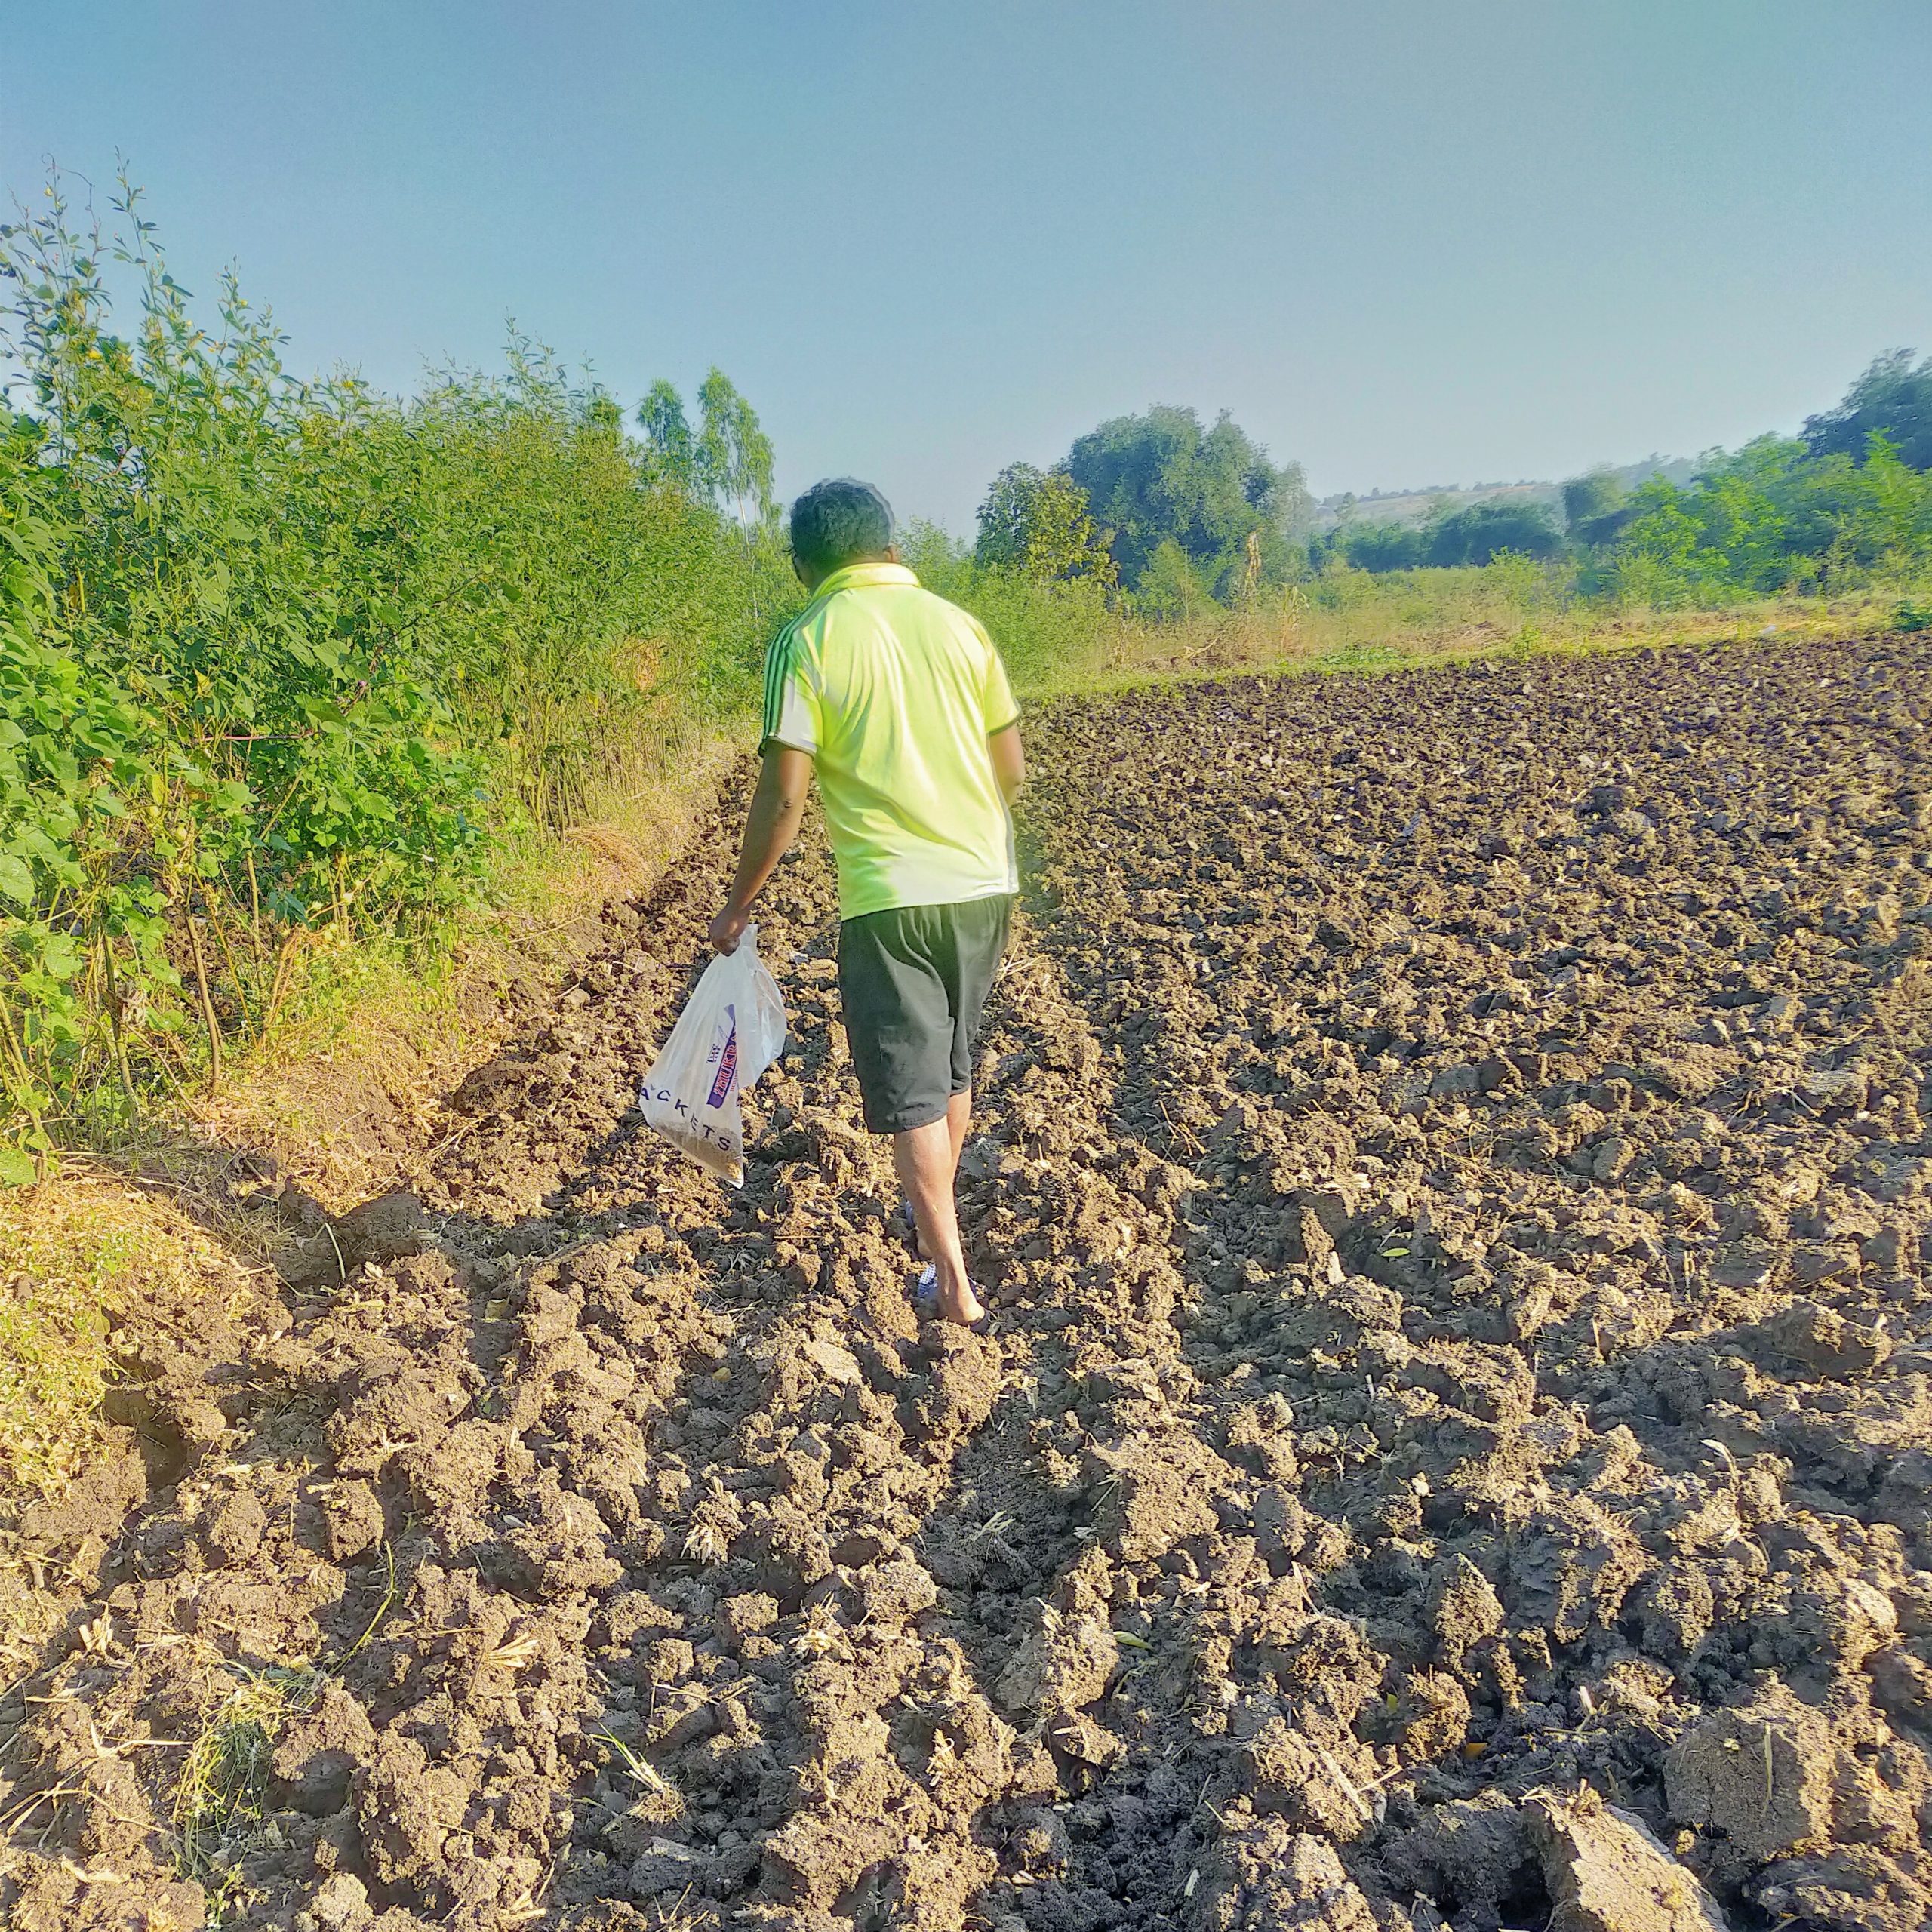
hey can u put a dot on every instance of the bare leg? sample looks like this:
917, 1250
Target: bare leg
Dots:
959, 1118
924, 1159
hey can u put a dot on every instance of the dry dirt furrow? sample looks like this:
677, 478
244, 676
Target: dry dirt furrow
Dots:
1453, 1182
1555, 1072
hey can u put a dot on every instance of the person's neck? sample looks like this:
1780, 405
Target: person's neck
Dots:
816, 578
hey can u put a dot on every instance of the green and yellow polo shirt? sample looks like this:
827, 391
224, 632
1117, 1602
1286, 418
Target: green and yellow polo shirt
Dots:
893, 693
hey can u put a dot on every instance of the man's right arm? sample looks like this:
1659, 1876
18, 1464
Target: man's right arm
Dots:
1009, 762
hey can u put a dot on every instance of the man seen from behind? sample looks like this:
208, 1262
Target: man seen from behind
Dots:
897, 702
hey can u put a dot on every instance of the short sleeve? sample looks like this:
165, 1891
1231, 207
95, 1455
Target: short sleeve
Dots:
997, 705
791, 707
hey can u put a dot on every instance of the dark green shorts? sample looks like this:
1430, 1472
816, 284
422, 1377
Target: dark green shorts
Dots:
915, 981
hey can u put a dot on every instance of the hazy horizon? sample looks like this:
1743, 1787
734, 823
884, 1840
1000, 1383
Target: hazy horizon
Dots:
1513, 242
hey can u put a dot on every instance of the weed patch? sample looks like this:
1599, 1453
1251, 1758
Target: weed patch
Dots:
73, 1256
219, 1803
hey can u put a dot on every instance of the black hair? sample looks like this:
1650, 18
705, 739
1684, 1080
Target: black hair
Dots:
840, 521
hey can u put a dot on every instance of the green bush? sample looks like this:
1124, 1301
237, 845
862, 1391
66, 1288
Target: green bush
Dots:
1382, 547
82, 781
278, 657
1772, 517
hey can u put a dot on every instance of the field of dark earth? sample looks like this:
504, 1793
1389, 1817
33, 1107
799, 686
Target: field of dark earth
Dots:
1454, 1448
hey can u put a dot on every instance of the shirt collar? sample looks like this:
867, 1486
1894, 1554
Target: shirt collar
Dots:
856, 575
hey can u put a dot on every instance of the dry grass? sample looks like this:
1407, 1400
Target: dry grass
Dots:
219, 1803
75, 1252
1361, 623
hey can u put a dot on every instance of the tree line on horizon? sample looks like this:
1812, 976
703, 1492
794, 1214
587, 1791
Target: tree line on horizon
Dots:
1169, 517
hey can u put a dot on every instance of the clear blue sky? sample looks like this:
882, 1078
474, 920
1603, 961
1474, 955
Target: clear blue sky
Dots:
1405, 241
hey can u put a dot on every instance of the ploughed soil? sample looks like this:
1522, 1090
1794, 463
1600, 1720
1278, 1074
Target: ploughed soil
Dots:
1455, 1446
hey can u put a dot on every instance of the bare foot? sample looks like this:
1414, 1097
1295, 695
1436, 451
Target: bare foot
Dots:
953, 1300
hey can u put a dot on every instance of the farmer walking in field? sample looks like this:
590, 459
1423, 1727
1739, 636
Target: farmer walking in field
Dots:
899, 702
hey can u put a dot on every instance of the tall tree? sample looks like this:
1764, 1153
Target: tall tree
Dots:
1893, 398
1037, 522
734, 453
1161, 477
1482, 533
1595, 493
1383, 546
1596, 506
667, 437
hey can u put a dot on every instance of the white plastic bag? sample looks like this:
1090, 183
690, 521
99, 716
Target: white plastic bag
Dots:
731, 1029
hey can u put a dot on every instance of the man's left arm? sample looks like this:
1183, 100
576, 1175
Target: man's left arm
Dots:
778, 805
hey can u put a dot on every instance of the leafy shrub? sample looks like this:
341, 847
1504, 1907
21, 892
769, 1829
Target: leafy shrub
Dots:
281, 658
1485, 531
1772, 517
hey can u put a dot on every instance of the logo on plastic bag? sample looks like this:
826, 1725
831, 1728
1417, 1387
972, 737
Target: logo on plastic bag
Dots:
726, 1059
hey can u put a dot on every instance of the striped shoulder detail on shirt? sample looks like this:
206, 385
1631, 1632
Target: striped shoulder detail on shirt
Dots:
780, 662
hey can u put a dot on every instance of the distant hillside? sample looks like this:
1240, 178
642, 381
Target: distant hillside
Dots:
1415, 505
